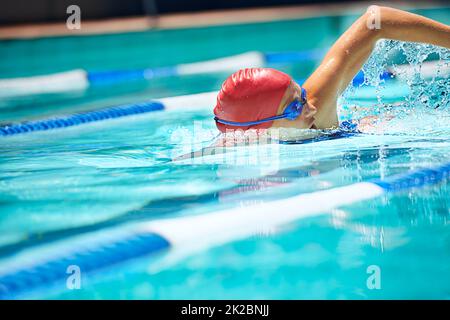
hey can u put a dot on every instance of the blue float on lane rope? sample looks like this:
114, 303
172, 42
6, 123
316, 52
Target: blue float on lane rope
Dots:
80, 118
215, 228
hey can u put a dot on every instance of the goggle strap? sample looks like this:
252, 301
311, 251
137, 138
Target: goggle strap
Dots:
250, 123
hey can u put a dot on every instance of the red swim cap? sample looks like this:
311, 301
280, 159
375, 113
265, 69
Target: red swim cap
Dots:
250, 95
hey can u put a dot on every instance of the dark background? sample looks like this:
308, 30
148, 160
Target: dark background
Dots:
26, 11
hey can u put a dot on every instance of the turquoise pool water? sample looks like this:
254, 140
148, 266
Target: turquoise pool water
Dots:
58, 184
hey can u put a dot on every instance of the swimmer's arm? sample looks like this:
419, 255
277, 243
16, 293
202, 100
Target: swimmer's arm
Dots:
352, 49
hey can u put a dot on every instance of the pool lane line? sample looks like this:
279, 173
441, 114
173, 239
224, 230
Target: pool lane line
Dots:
206, 230
79, 79
81, 118
229, 225
202, 100
157, 209
92, 259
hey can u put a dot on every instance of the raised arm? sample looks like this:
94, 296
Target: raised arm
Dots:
352, 49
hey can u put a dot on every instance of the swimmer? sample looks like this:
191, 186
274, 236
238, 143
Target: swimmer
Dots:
263, 98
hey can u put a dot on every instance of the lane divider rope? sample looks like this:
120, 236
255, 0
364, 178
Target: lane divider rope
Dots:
80, 79
215, 228
81, 118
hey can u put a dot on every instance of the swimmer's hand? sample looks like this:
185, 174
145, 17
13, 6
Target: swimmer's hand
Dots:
352, 49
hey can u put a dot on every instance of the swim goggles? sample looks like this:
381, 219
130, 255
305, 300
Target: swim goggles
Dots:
291, 112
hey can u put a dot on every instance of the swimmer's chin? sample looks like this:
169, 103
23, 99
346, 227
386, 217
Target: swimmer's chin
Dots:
286, 134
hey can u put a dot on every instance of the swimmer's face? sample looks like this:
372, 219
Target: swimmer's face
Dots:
306, 118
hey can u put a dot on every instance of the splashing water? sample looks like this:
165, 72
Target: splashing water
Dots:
423, 109
432, 93
420, 108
